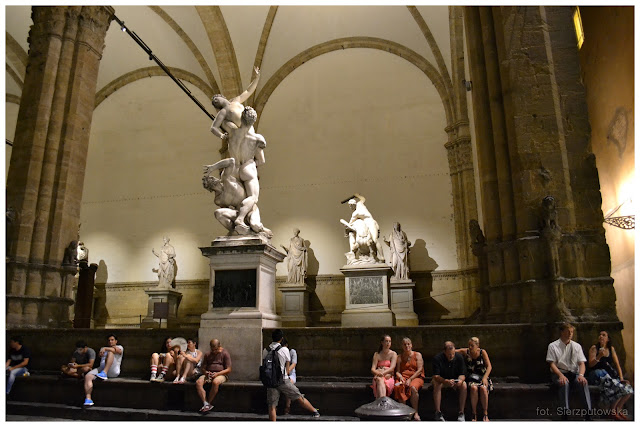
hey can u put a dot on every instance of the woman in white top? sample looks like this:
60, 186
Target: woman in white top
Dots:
187, 362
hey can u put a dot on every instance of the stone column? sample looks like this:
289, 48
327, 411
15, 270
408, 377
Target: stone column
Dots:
84, 296
46, 174
533, 140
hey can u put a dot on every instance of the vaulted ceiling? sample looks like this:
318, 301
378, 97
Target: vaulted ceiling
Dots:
215, 48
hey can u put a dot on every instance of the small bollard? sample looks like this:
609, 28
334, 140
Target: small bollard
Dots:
385, 408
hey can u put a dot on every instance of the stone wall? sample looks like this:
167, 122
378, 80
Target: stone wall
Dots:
51, 348
608, 72
514, 349
439, 297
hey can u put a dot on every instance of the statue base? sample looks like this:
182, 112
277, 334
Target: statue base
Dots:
367, 295
241, 299
402, 302
170, 296
295, 304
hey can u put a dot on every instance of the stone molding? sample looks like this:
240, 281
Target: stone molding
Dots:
16, 54
14, 76
356, 42
433, 45
222, 46
190, 44
155, 71
262, 44
14, 99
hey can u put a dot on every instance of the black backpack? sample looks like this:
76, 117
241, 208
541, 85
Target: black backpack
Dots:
270, 371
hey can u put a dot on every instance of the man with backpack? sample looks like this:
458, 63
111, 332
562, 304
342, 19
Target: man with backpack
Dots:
273, 374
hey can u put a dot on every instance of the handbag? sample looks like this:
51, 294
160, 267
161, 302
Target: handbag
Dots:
612, 372
476, 378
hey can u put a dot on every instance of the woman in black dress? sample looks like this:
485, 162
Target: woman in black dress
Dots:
605, 372
478, 381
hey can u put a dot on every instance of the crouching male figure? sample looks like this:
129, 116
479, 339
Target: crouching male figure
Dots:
81, 361
217, 367
449, 371
287, 388
566, 363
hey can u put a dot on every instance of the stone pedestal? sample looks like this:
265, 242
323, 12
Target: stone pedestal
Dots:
170, 296
402, 302
295, 304
84, 296
241, 299
367, 295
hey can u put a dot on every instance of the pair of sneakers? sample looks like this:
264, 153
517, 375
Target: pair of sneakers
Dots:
159, 378
206, 407
440, 417
102, 375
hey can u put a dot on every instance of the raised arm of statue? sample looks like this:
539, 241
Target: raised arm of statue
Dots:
252, 87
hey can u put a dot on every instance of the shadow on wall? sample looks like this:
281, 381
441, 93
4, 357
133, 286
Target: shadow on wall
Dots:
100, 313
313, 265
419, 258
103, 273
428, 309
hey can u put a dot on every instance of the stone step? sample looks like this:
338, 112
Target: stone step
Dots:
101, 413
340, 399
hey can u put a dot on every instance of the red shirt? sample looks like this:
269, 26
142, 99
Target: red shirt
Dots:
216, 362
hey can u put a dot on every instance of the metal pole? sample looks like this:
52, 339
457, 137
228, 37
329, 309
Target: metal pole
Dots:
146, 48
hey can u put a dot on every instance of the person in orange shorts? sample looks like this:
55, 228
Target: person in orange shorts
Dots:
409, 376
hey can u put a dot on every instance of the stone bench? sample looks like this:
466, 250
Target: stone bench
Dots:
332, 397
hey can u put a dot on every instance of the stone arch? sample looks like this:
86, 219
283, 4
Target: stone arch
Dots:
141, 73
190, 44
357, 42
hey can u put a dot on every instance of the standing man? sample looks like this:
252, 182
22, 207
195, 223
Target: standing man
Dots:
81, 361
449, 371
111, 358
287, 387
18, 360
566, 363
217, 367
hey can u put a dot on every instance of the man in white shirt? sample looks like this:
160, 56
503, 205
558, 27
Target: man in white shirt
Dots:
287, 387
566, 362
111, 358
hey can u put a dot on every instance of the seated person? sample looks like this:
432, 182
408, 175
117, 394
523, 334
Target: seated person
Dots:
18, 361
188, 362
110, 360
409, 376
382, 367
449, 371
160, 360
81, 361
169, 371
605, 372
216, 368
478, 381
566, 363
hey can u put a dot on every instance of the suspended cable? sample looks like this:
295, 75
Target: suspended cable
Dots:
146, 48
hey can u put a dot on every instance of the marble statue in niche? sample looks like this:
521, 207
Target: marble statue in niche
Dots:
551, 232
399, 248
166, 265
71, 254
238, 189
83, 252
363, 232
297, 260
